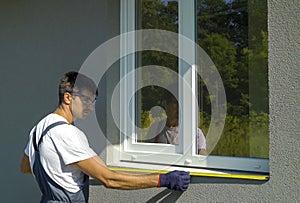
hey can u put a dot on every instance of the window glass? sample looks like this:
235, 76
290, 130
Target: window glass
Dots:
234, 35
157, 15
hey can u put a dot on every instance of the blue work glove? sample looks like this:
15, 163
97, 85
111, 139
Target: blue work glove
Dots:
175, 180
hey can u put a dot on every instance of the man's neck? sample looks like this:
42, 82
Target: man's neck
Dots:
64, 112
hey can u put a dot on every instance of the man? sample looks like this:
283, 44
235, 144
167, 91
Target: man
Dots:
59, 156
166, 130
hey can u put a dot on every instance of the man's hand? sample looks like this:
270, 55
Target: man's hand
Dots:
175, 180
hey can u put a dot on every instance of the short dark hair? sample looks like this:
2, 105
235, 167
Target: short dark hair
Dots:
168, 96
75, 81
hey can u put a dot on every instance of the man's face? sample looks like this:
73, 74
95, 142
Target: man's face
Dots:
83, 103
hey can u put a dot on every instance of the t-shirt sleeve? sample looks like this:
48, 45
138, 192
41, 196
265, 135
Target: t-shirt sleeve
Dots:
26, 151
72, 145
201, 139
29, 143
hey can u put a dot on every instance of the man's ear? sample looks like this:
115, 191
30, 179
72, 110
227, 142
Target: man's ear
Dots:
68, 98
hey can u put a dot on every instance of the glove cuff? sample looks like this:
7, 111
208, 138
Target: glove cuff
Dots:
158, 184
163, 180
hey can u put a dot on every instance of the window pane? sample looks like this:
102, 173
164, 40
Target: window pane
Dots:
234, 35
151, 101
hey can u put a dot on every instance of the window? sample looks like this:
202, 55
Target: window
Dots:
211, 56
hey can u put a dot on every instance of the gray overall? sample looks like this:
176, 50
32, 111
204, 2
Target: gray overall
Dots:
51, 191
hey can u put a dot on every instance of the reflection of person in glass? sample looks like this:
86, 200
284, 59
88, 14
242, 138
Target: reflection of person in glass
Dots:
166, 130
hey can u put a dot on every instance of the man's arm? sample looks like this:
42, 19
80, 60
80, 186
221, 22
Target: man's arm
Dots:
95, 168
202, 152
25, 165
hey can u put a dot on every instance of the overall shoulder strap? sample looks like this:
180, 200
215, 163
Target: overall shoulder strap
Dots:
35, 145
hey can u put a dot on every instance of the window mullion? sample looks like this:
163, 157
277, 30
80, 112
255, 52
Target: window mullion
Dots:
127, 64
187, 83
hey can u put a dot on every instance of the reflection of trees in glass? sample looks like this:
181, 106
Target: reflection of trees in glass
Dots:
234, 34
151, 95
155, 14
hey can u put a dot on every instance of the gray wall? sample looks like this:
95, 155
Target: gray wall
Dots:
40, 40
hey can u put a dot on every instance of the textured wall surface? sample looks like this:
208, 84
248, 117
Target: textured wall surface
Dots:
41, 40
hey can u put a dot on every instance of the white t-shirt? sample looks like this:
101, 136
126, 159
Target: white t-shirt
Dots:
169, 135
61, 147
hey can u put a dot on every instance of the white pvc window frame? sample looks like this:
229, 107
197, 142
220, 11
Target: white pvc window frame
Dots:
132, 154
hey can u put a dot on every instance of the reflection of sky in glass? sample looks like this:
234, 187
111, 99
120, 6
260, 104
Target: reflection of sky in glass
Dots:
166, 1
